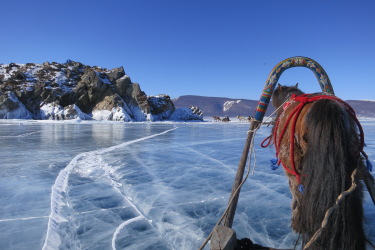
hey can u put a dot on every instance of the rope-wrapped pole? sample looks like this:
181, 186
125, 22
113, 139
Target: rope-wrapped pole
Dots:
273, 78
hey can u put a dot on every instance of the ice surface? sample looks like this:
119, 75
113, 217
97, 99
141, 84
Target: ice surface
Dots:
138, 185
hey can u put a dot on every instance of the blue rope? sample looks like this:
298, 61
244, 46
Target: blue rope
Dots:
274, 164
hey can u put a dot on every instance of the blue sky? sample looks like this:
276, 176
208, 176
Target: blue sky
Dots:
200, 47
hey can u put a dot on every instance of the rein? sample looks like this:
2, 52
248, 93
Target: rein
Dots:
293, 116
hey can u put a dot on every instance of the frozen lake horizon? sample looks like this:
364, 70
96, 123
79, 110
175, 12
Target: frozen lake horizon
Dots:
158, 185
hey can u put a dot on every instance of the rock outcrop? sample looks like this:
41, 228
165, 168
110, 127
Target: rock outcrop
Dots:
75, 91
161, 107
187, 114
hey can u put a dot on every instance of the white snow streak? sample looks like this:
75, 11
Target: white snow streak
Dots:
21, 135
122, 225
24, 218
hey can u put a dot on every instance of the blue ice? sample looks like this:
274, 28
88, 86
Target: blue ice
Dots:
93, 185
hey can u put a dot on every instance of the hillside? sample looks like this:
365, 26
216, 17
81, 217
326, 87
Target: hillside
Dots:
72, 90
363, 108
220, 106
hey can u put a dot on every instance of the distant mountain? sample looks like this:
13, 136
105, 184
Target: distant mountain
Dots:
363, 108
220, 106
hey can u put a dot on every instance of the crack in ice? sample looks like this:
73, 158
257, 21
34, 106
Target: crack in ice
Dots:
207, 156
59, 190
21, 135
24, 218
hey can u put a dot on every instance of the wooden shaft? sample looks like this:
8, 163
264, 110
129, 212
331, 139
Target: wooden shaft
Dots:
228, 220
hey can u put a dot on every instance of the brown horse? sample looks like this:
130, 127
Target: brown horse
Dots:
216, 118
318, 141
240, 118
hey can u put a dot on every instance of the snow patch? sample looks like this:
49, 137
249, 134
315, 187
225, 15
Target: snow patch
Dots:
105, 80
116, 114
31, 72
60, 77
185, 114
51, 111
227, 105
138, 114
102, 115
119, 114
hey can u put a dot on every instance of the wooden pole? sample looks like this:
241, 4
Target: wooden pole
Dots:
223, 238
228, 220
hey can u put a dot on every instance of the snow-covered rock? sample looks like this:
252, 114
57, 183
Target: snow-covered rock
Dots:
119, 114
186, 114
12, 108
69, 91
72, 90
72, 112
161, 107
52, 111
116, 114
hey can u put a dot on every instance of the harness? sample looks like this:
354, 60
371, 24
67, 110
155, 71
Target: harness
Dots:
293, 116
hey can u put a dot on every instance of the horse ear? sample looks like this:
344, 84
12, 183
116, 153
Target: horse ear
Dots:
296, 85
279, 87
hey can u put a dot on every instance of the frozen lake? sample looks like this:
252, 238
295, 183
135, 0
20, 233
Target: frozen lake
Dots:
139, 185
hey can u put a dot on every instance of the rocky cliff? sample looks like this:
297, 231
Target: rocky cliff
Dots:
75, 91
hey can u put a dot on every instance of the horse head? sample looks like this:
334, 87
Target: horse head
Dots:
283, 93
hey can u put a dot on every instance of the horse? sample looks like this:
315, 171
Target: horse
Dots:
318, 141
240, 118
216, 118
225, 119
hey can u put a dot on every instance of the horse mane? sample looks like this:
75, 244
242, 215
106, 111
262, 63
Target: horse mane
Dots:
328, 163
